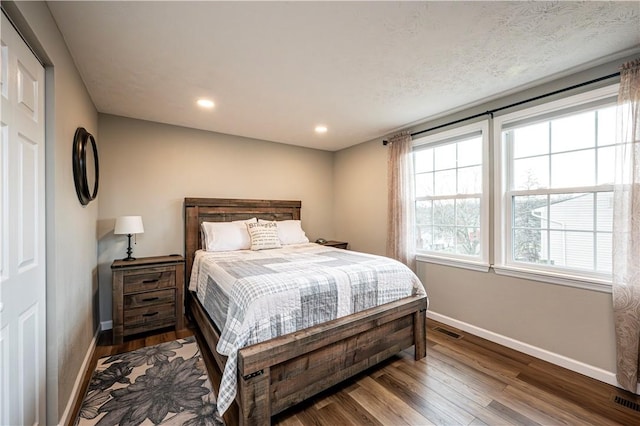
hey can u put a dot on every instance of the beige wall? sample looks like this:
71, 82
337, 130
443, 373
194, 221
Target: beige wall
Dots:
360, 197
570, 322
148, 168
71, 228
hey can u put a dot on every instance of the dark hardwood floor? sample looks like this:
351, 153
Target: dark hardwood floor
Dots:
462, 381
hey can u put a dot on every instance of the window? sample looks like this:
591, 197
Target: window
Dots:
451, 206
556, 183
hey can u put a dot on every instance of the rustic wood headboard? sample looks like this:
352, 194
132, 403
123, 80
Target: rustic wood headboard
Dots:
198, 210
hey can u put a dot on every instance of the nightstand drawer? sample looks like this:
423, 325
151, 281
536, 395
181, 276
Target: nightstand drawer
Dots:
157, 297
149, 279
148, 326
149, 315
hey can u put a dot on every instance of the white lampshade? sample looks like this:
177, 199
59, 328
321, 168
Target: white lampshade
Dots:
129, 225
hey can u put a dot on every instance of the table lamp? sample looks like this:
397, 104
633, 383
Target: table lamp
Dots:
129, 225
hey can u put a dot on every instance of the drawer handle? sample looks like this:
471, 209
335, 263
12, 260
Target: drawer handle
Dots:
150, 281
150, 315
149, 299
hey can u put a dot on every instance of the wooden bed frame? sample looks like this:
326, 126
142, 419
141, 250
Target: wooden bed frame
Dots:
281, 372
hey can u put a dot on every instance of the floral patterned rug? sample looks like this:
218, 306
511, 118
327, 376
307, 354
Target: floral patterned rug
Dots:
163, 384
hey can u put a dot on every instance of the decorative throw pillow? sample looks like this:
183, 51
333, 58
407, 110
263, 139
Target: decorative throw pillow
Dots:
225, 236
263, 235
290, 232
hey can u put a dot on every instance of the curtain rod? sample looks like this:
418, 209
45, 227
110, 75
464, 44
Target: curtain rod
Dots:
492, 111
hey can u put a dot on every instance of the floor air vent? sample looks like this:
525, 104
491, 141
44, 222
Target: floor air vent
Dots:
626, 403
448, 332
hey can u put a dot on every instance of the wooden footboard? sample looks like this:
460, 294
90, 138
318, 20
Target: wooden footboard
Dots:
279, 373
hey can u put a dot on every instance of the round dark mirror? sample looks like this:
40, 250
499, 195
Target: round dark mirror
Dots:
85, 166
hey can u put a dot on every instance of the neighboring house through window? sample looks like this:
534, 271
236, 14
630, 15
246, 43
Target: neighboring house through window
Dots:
568, 237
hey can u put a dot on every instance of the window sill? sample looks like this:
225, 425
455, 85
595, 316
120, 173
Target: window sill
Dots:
456, 263
594, 284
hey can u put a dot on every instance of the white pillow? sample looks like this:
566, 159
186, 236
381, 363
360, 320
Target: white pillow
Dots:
263, 235
290, 232
225, 236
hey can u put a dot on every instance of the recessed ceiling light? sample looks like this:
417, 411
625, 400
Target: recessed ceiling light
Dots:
205, 103
321, 129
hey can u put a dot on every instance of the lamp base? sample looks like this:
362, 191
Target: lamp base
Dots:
129, 250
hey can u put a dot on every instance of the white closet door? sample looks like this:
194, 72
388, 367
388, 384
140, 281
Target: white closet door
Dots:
22, 234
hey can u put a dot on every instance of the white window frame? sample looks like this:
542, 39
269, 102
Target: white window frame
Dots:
476, 263
504, 264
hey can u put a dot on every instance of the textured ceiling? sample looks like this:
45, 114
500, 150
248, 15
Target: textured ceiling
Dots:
365, 69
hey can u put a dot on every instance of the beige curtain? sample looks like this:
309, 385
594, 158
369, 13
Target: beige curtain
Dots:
626, 229
401, 229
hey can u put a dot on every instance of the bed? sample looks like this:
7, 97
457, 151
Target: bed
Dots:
278, 373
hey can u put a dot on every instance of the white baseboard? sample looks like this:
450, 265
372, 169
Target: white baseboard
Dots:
543, 354
106, 325
75, 392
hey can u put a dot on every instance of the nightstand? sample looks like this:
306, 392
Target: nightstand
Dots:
147, 295
336, 244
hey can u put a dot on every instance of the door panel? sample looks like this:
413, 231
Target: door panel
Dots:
28, 380
28, 203
22, 232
